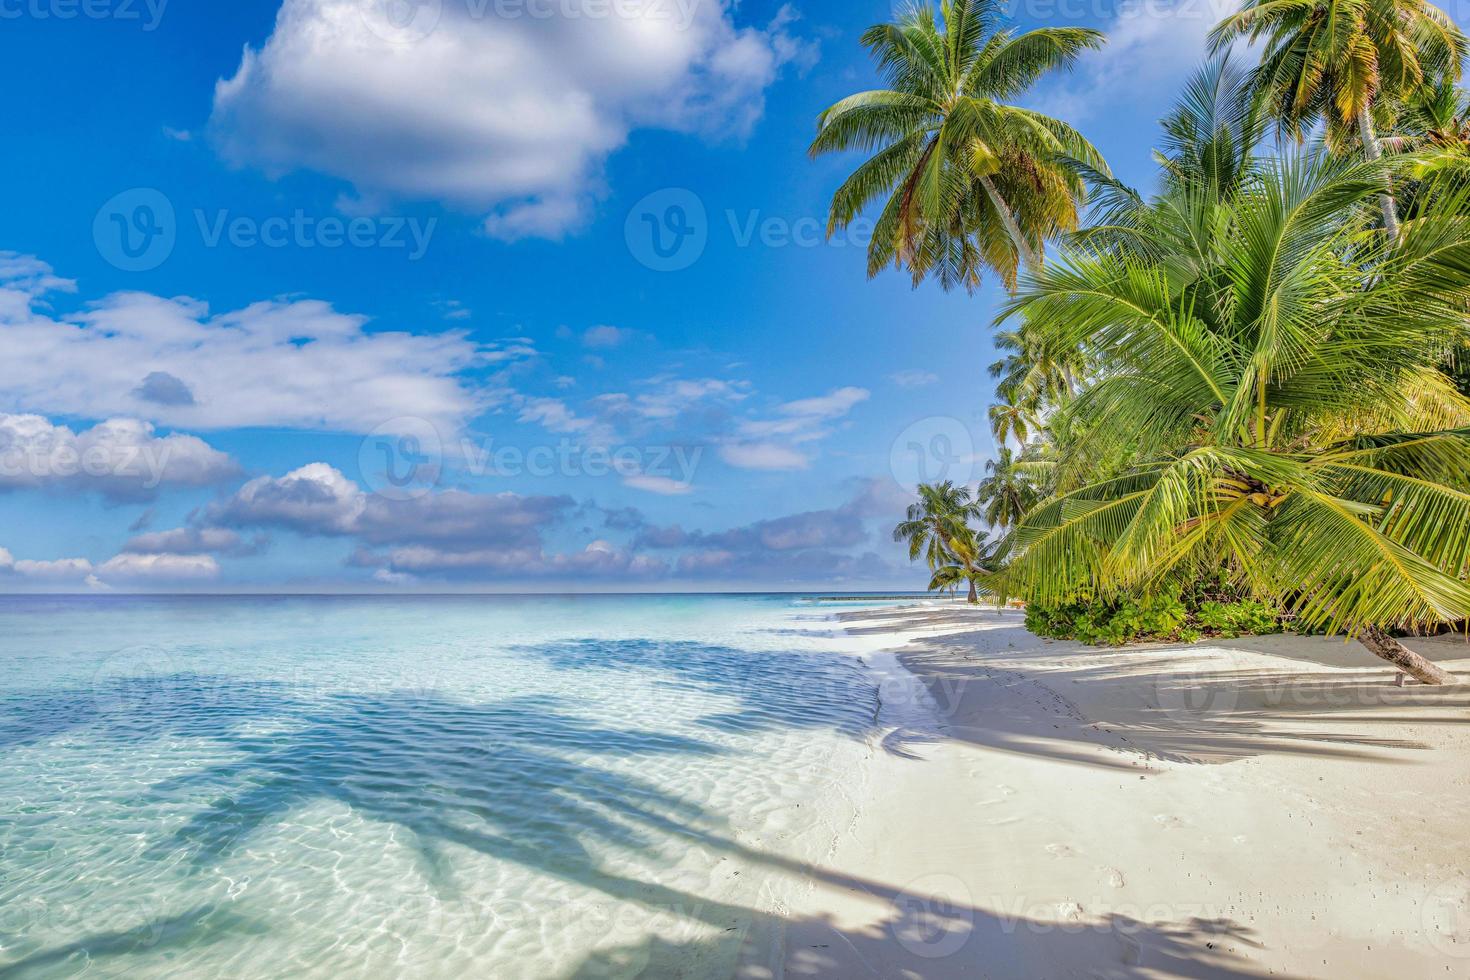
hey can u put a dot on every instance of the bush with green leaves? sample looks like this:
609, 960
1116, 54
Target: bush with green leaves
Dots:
1185, 617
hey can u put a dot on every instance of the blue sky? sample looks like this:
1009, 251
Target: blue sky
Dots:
300, 296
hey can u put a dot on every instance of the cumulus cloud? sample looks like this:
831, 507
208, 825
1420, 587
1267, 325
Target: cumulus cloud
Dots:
193, 541
126, 568
120, 569
839, 527
318, 499
123, 459
487, 106
293, 364
816, 545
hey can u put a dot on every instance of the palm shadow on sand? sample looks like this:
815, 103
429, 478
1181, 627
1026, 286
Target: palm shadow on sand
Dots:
519, 780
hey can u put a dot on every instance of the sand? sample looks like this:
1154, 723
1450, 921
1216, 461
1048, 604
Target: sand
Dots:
1253, 808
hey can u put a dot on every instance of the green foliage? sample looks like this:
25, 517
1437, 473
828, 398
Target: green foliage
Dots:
1153, 617
1230, 619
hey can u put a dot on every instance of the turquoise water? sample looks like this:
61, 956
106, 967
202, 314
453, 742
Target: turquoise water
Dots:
503, 787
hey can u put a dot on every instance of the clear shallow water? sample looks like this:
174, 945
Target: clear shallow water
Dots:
430, 787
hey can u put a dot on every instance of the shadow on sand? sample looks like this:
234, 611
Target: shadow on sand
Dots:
521, 780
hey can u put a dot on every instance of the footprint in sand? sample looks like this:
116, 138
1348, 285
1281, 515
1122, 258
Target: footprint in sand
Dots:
1059, 850
1168, 821
1069, 911
1112, 876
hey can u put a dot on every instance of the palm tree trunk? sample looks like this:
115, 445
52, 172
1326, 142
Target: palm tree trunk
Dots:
1029, 258
974, 594
1385, 646
1374, 153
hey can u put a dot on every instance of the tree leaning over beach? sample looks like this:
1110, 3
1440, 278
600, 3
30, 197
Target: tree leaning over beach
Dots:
1270, 376
971, 182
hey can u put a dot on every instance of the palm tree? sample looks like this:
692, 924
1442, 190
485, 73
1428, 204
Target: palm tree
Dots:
943, 511
1269, 378
971, 181
970, 560
1339, 61
1434, 119
1007, 494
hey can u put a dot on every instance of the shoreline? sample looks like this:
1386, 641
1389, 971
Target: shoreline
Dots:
1259, 807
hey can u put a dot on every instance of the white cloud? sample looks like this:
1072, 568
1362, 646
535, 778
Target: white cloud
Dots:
121, 458
482, 109
190, 541
126, 568
605, 336
1152, 47
55, 570
158, 568
297, 364
662, 485
30, 276
318, 500
315, 499
773, 443
914, 378
763, 456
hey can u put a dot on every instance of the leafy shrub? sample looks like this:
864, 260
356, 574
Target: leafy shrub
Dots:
1160, 616
1112, 622
1246, 618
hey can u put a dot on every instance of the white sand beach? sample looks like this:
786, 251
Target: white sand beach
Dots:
1264, 807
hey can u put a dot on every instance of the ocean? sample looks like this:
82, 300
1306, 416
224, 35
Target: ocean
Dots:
415, 787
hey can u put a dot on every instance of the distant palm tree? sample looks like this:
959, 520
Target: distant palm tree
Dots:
1337, 61
970, 561
1007, 494
971, 181
943, 511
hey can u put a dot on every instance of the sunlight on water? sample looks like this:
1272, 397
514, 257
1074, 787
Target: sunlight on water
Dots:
411, 787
